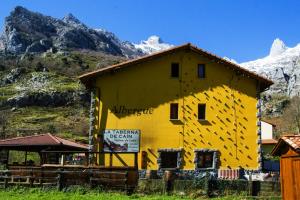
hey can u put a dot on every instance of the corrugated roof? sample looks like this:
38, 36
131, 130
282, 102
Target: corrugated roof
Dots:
291, 140
40, 140
85, 78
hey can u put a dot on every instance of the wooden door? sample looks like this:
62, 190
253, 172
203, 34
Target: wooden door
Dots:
296, 177
290, 178
286, 178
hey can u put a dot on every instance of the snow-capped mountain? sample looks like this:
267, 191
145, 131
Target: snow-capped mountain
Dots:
32, 32
152, 44
282, 65
230, 60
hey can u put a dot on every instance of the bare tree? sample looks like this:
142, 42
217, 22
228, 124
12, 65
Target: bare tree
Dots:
291, 115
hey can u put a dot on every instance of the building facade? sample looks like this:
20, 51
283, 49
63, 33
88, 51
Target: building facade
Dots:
193, 109
267, 139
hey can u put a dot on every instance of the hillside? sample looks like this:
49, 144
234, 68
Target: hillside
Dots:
41, 93
40, 59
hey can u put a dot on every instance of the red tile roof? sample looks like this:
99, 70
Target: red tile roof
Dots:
40, 140
291, 140
265, 83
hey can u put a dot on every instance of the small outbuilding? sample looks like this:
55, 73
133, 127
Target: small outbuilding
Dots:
268, 141
38, 144
288, 148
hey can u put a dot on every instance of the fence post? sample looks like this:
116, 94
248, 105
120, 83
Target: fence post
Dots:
208, 184
250, 184
42, 177
5, 180
59, 180
126, 183
90, 178
31, 178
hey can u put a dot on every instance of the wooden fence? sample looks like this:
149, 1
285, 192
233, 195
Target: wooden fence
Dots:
116, 178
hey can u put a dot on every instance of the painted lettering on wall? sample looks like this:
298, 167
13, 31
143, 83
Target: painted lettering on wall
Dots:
123, 110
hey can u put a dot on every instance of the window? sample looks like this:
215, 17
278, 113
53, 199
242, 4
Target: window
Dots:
201, 111
201, 70
174, 111
175, 70
205, 159
170, 158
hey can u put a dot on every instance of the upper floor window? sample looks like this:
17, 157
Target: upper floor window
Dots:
175, 70
201, 70
174, 111
201, 111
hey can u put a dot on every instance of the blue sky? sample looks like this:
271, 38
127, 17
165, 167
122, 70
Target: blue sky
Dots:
242, 30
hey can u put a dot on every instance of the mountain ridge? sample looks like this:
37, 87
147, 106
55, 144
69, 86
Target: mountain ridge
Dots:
32, 32
282, 65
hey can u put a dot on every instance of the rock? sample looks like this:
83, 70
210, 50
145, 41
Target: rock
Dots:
30, 32
282, 66
12, 76
36, 47
43, 99
52, 99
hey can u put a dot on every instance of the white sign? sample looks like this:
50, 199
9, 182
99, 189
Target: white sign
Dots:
121, 140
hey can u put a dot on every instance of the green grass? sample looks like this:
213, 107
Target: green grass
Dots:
80, 193
68, 122
37, 194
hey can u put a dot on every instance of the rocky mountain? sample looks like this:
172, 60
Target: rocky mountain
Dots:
152, 45
30, 32
40, 59
282, 65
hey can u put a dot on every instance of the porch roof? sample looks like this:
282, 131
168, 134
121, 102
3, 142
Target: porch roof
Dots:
37, 143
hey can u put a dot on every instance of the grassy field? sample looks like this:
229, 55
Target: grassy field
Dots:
81, 194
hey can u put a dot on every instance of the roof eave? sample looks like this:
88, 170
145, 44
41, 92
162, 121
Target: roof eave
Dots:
88, 78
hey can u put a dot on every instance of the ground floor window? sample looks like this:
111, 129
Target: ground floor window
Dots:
206, 159
169, 158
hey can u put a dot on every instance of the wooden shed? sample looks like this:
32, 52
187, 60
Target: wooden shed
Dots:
288, 148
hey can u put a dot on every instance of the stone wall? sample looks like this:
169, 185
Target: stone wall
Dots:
207, 187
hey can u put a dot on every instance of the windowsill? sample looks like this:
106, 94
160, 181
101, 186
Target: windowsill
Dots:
175, 168
203, 169
175, 120
202, 120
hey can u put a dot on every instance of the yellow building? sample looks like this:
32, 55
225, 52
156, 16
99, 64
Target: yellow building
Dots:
192, 109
